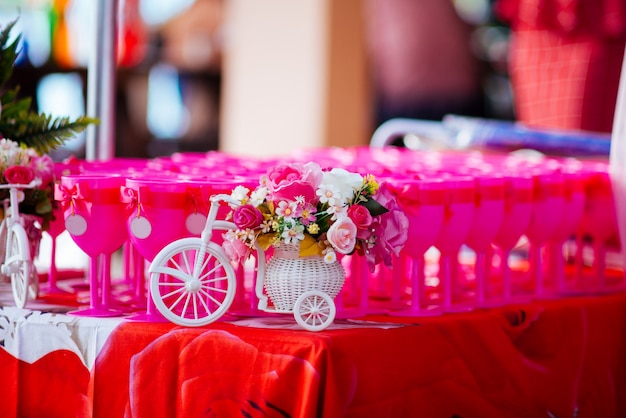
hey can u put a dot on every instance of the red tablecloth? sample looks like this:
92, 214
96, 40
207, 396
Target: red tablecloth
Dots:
560, 358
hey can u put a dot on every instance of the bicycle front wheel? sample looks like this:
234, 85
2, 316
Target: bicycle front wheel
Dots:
187, 297
19, 264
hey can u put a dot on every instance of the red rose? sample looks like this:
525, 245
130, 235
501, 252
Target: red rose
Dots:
247, 216
18, 174
360, 215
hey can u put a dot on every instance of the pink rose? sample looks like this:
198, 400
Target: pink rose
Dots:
44, 168
236, 249
288, 181
361, 217
247, 216
390, 229
342, 235
312, 173
18, 174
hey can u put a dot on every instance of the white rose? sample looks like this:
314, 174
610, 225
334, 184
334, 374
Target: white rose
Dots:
345, 181
258, 196
240, 193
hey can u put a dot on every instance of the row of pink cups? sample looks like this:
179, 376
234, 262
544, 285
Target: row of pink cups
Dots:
513, 217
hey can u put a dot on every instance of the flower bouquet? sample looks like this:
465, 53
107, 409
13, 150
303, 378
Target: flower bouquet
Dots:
20, 165
25, 139
309, 216
324, 212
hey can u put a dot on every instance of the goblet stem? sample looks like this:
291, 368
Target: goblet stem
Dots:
418, 285
398, 273
446, 280
128, 261
94, 297
557, 264
254, 301
535, 268
240, 274
140, 280
364, 275
506, 275
488, 266
418, 291
479, 272
106, 280
579, 261
599, 261
52, 272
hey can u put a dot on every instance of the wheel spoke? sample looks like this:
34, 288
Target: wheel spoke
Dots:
211, 297
177, 301
204, 304
188, 265
210, 272
194, 298
183, 313
215, 289
179, 288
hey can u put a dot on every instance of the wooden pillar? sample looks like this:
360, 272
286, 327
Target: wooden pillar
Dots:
294, 76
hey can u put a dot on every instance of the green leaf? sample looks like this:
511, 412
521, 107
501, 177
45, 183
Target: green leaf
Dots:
374, 207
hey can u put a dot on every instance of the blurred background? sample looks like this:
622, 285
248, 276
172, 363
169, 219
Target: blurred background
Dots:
259, 77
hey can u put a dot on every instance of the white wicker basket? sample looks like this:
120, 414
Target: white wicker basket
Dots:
288, 276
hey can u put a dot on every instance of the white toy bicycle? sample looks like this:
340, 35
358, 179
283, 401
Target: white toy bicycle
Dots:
18, 264
193, 283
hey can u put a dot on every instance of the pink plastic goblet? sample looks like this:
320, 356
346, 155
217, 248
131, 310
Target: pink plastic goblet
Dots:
422, 200
156, 212
547, 211
487, 221
457, 221
155, 217
57, 227
518, 201
94, 218
574, 207
599, 222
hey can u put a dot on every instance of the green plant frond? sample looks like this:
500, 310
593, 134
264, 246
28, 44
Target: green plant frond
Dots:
12, 107
4, 34
8, 53
9, 95
43, 132
17, 122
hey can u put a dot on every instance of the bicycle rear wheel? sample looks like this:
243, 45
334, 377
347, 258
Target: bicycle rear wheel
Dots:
18, 264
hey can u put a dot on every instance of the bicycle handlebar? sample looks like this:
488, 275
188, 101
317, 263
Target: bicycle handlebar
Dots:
35, 183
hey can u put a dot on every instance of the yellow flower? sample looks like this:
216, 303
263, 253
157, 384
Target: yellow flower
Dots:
313, 228
372, 184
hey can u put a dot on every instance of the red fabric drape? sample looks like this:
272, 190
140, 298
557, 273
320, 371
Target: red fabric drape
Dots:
562, 357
